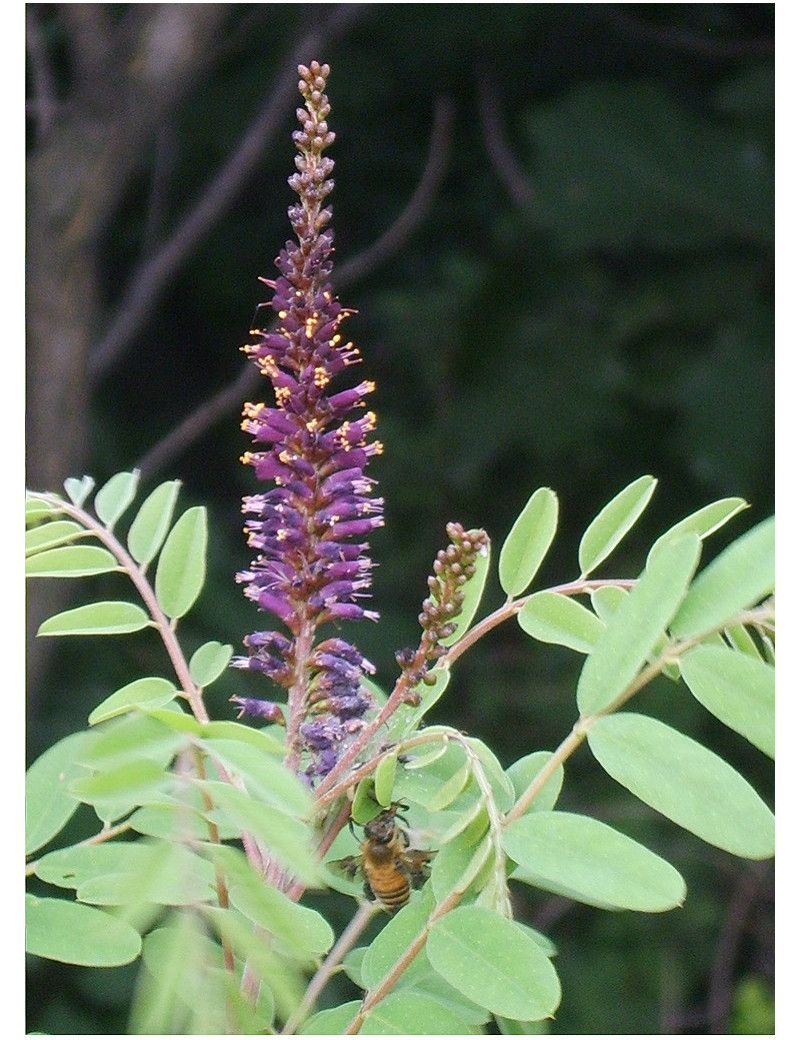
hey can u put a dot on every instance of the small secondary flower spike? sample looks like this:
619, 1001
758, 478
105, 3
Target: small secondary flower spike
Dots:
313, 445
452, 569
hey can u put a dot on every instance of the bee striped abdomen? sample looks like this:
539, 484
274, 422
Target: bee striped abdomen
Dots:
387, 876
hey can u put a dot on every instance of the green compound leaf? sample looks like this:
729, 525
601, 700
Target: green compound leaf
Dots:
552, 618
741, 576
48, 803
115, 496
56, 532
613, 522
209, 661
737, 688
70, 561
182, 565
151, 523
75, 934
584, 859
111, 617
528, 541
637, 625
684, 781
150, 692
483, 954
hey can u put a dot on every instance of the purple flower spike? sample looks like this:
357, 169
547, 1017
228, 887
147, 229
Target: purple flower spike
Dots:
311, 445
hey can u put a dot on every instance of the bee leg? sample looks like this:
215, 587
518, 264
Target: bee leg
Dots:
368, 892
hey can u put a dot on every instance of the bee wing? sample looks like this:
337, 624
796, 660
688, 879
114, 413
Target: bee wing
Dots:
350, 867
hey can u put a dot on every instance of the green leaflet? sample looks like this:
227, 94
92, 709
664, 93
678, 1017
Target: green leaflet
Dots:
70, 561
302, 932
613, 522
384, 778
582, 858
528, 541
131, 737
37, 509
149, 692
481, 953
209, 661
117, 873
116, 791
75, 934
285, 837
48, 802
150, 525
115, 496
636, 626
181, 567
458, 863
56, 532
553, 618
78, 490
111, 617
332, 1021
738, 688
263, 773
684, 781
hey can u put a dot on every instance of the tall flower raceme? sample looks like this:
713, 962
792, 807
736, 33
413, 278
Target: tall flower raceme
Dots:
313, 564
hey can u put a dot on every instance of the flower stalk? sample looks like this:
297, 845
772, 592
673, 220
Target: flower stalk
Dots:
312, 445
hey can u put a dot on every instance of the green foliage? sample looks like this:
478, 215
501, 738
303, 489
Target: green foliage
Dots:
206, 845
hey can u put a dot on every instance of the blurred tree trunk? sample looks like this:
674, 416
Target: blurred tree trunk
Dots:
126, 74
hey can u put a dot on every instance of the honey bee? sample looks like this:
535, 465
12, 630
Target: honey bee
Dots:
389, 867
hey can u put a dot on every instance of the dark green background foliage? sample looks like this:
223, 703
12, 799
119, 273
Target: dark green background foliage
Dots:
587, 297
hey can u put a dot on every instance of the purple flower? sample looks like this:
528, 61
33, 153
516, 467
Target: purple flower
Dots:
311, 444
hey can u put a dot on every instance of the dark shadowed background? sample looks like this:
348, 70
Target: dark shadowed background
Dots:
555, 222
